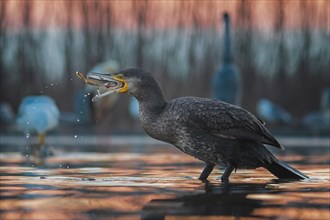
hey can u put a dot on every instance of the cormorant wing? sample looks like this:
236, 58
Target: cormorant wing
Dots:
227, 121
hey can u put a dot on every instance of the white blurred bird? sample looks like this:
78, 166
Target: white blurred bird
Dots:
38, 114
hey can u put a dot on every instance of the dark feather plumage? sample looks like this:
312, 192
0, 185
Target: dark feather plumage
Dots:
215, 132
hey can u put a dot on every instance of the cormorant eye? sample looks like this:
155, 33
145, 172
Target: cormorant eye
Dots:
120, 76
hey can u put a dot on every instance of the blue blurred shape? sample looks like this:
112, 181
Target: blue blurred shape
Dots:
82, 107
320, 120
133, 108
7, 115
317, 121
273, 113
37, 114
226, 82
325, 100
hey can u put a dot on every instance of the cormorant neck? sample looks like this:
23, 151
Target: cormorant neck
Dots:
226, 53
150, 98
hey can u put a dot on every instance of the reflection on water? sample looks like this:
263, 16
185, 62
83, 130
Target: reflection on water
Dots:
157, 182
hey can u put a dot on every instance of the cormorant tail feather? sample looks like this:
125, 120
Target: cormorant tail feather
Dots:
284, 171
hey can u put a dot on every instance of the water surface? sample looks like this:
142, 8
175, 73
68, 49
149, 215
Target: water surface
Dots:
156, 181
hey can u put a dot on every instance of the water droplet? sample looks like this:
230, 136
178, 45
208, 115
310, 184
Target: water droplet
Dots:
60, 165
67, 167
27, 122
51, 84
85, 95
78, 120
27, 135
75, 136
41, 92
88, 94
81, 112
27, 155
46, 87
32, 165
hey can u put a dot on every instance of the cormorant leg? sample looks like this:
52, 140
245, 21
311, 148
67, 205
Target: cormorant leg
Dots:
206, 172
41, 137
226, 174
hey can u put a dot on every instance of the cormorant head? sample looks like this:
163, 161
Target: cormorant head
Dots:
225, 17
126, 81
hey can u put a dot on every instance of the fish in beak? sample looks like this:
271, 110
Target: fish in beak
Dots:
106, 83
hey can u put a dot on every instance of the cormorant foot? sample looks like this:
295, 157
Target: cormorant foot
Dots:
224, 179
202, 179
206, 182
226, 174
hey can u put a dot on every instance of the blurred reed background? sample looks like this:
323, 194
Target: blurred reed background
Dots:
281, 47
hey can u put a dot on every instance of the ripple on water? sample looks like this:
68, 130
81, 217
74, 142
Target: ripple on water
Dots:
151, 185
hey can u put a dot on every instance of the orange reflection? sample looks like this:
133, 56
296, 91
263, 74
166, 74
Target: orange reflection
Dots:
160, 182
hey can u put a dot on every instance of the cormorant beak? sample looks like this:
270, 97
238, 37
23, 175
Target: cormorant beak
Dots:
106, 83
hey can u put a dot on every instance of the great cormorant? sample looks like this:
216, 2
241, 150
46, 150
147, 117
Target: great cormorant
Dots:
226, 82
210, 130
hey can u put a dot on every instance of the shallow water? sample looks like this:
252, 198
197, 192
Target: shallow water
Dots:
156, 182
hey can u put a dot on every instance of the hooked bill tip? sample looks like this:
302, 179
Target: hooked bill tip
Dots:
95, 98
78, 73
